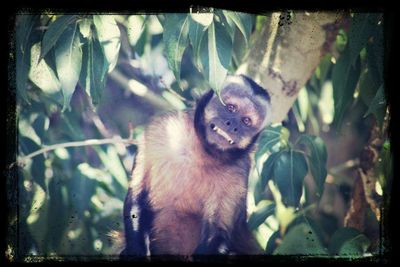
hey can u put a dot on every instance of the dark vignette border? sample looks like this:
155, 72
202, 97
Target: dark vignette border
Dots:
10, 180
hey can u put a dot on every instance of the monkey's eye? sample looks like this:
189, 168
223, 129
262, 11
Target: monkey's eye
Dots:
246, 121
231, 108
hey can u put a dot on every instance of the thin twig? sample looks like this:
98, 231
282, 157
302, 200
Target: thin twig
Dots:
89, 142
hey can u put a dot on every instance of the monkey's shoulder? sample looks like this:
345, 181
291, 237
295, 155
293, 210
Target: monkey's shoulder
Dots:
171, 135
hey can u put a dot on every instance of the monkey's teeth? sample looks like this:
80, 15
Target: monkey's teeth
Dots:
223, 134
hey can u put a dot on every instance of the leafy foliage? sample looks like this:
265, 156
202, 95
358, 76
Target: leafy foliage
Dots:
269, 138
211, 38
289, 172
54, 32
109, 37
348, 242
317, 159
344, 79
68, 55
264, 209
176, 32
301, 240
365, 33
23, 54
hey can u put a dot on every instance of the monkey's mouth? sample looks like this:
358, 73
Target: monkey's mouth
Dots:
222, 133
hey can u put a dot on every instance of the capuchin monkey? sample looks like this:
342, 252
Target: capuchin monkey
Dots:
188, 190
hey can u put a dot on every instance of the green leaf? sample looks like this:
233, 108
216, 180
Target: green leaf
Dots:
81, 188
23, 53
301, 240
324, 67
385, 166
26, 146
348, 242
54, 32
368, 86
378, 106
103, 179
216, 53
41, 125
243, 21
375, 55
269, 137
239, 48
85, 27
317, 156
264, 209
37, 220
261, 21
93, 75
225, 21
137, 32
68, 54
175, 36
196, 33
141, 42
372, 93
267, 170
290, 168
113, 164
344, 80
258, 192
135, 27
341, 40
24, 29
41, 74
361, 29
204, 19
25, 129
58, 211
110, 39
272, 244
97, 75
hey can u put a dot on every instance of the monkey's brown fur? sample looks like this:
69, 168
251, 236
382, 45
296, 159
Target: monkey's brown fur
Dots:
187, 186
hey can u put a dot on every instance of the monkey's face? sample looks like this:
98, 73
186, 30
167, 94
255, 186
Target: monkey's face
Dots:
235, 122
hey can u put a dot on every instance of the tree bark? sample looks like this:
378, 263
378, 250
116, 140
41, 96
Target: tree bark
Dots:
364, 192
287, 52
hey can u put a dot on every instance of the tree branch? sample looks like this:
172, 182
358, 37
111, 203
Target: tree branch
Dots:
148, 95
90, 142
285, 56
364, 193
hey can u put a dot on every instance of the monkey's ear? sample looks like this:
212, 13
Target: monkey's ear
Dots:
203, 100
257, 89
200, 107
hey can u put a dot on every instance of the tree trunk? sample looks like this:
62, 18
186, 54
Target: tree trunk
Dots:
287, 52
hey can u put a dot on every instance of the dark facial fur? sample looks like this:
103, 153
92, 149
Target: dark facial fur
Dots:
222, 131
201, 126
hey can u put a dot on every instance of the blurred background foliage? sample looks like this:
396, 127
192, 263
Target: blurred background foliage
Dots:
81, 77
